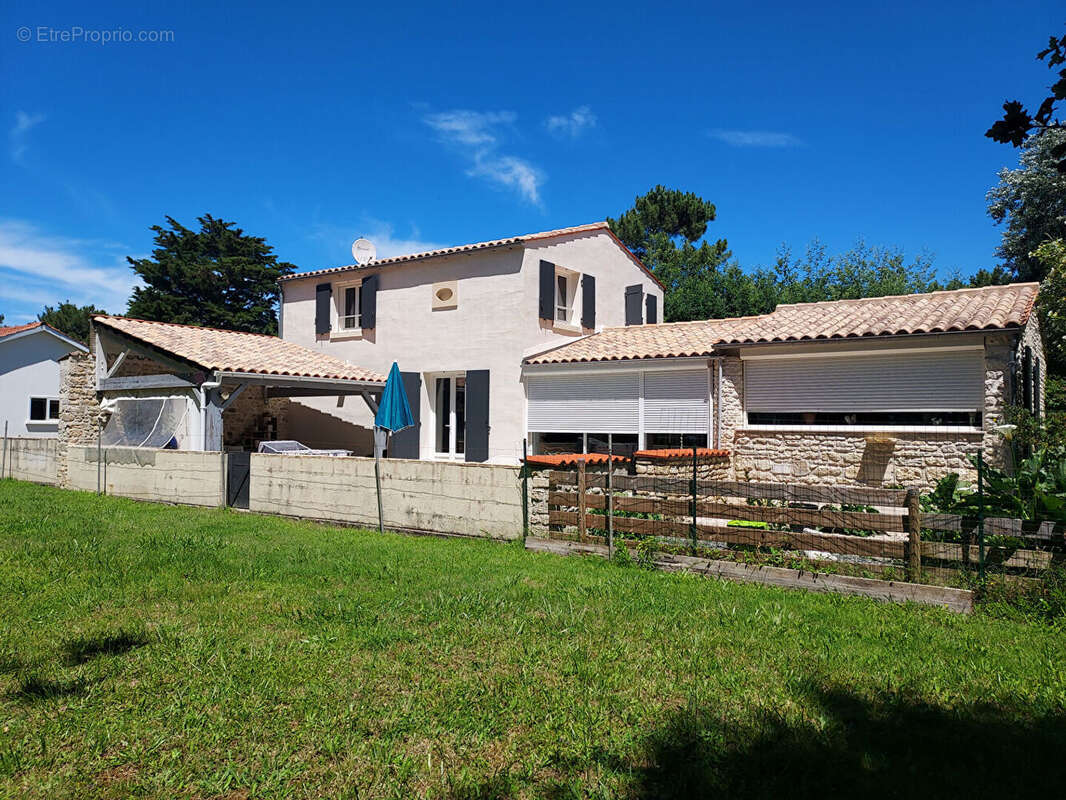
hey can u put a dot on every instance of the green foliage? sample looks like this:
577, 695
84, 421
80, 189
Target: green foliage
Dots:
1031, 202
1036, 490
217, 277
1051, 255
1017, 125
703, 281
71, 319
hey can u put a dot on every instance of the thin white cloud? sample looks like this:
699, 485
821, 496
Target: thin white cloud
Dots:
38, 268
338, 239
19, 134
477, 135
739, 138
573, 124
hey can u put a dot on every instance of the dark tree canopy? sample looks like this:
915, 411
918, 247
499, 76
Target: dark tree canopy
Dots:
71, 319
217, 277
1018, 124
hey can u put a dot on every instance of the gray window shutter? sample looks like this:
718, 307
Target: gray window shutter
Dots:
633, 304
368, 301
588, 301
404, 443
323, 297
547, 290
651, 315
477, 415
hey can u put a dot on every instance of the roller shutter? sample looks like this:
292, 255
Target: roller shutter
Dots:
946, 381
676, 402
582, 403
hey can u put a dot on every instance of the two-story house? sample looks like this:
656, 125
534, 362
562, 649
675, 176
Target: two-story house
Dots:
460, 321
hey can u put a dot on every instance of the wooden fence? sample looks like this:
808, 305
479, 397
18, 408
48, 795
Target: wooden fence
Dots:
878, 529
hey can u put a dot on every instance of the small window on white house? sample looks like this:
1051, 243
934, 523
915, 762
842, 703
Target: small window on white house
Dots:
348, 316
44, 409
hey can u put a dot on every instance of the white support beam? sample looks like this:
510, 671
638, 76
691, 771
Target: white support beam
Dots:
118, 363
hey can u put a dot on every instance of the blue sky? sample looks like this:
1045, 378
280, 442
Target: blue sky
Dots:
420, 126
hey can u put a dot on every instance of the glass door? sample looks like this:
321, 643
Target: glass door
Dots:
449, 408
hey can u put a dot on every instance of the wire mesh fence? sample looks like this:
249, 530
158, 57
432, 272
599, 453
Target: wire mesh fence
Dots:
928, 509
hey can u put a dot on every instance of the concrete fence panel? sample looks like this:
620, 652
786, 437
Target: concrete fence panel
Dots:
31, 459
469, 499
172, 476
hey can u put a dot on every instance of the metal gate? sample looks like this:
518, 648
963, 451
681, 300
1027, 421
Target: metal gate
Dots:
238, 474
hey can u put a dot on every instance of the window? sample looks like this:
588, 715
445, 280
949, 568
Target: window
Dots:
44, 409
350, 319
670, 441
957, 419
449, 409
562, 306
347, 300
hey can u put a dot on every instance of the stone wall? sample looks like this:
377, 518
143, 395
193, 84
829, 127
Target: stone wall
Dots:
80, 415
253, 417
30, 459
708, 468
879, 459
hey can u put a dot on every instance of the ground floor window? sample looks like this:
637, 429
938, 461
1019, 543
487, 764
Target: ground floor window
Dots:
669, 441
449, 412
546, 444
44, 409
966, 419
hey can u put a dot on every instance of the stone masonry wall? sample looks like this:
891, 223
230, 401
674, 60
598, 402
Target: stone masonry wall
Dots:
80, 415
245, 422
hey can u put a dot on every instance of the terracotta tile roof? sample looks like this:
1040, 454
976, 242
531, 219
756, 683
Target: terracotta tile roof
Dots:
988, 308
10, 329
467, 248
681, 452
234, 351
567, 459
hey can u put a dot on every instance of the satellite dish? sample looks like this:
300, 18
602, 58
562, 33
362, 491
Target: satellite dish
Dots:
363, 251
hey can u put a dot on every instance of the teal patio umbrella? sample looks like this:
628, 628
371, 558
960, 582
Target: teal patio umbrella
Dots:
393, 414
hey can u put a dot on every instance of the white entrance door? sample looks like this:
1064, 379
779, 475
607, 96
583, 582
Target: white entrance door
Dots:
449, 415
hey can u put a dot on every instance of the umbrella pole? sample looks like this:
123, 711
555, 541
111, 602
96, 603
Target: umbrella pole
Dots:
379, 435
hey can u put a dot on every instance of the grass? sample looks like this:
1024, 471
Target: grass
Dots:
154, 651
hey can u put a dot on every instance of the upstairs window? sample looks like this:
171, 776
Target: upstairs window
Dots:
562, 294
348, 314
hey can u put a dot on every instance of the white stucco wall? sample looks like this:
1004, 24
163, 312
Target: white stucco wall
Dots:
29, 367
495, 324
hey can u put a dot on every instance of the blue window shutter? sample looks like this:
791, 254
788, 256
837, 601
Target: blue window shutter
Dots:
368, 302
547, 290
477, 415
588, 301
323, 297
633, 304
405, 443
651, 314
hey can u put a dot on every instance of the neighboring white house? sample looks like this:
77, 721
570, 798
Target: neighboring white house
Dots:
459, 322
29, 378
878, 390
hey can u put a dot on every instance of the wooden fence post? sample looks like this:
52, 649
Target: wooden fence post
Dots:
914, 536
581, 499
610, 503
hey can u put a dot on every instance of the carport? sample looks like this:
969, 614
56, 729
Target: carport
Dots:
168, 385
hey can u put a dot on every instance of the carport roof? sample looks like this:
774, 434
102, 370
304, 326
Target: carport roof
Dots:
219, 350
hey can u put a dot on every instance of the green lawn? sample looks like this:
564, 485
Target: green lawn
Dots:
154, 651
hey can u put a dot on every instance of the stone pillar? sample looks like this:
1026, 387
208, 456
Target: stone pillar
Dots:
80, 414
